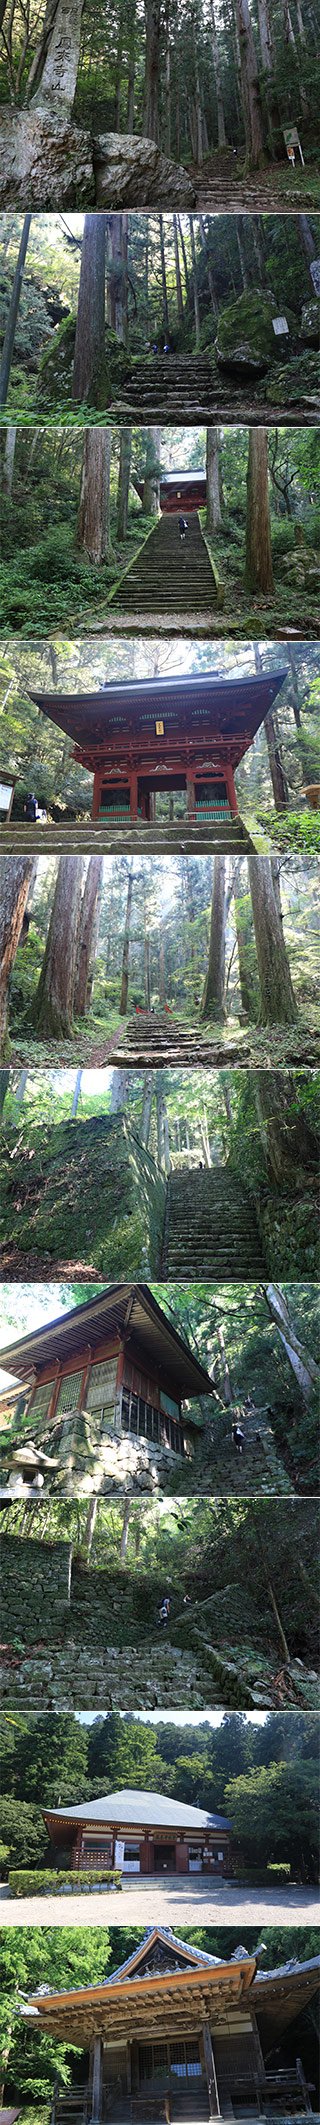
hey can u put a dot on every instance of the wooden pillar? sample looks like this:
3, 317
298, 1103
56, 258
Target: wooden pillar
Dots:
97, 787
214, 2105
96, 2081
231, 791
191, 795
129, 2066
133, 780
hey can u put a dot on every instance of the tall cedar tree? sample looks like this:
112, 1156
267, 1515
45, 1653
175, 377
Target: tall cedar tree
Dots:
90, 327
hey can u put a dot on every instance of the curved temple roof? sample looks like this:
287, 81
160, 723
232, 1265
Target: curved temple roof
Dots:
236, 707
131, 1805
129, 1308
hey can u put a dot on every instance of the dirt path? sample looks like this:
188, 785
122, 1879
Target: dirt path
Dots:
179, 1901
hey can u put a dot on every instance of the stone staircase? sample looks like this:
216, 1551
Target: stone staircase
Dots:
169, 575
210, 1227
180, 386
167, 837
157, 1039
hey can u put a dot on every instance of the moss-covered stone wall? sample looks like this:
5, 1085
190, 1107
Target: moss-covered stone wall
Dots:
89, 1190
35, 1583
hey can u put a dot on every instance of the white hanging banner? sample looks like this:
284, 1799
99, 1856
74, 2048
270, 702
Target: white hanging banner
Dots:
119, 1852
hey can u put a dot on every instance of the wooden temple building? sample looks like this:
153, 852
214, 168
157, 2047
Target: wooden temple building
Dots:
106, 1389
178, 2034
141, 737
143, 1833
180, 492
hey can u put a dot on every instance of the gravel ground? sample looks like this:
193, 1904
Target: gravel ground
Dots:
171, 1902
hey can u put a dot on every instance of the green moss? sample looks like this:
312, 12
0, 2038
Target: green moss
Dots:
88, 1190
245, 335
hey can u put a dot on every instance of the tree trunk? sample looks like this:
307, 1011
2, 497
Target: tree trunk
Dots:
307, 241
126, 948
294, 686
162, 1127
90, 1526
249, 990
124, 482
94, 509
9, 337
204, 240
76, 1095
151, 484
90, 328
222, 137
8, 461
4, 1082
177, 267
195, 290
251, 93
277, 1001
119, 1091
146, 1107
265, 36
212, 1002
132, 62
228, 1396
125, 1530
58, 80
21, 1087
117, 275
51, 1012
164, 280
87, 920
304, 1367
278, 778
17, 875
289, 1142
184, 255
150, 120
258, 564
213, 512
242, 232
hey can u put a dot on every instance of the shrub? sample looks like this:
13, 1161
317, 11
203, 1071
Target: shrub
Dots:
45, 1881
279, 1869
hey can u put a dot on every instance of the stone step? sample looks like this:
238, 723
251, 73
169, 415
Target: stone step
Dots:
210, 1227
168, 574
166, 836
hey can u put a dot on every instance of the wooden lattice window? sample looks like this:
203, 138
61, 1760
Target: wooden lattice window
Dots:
40, 1403
69, 1391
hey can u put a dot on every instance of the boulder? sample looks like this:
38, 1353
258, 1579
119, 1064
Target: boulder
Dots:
131, 172
246, 344
310, 325
44, 161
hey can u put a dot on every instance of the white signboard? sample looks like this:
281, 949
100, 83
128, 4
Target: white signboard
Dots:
5, 794
119, 1852
292, 141
280, 325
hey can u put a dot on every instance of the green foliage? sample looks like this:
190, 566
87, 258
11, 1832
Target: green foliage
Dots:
46, 1881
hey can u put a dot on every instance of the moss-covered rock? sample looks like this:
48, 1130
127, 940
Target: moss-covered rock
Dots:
56, 369
246, 342
310, 324
300, 382
56, 364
